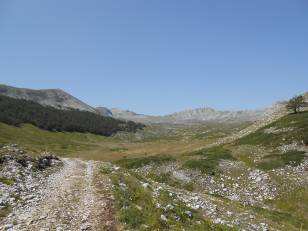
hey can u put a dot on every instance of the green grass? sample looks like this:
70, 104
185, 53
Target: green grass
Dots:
142, 161
295, 204
36, 140
299, 123
118, 149
287, 220
273, 161
7, 181
209, 161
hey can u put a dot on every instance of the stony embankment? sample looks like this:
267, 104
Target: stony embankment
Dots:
47, 193
21, 175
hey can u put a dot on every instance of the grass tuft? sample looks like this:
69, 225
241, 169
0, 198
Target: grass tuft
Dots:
7, 181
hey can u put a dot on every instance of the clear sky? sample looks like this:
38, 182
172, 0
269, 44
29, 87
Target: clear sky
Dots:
158, 56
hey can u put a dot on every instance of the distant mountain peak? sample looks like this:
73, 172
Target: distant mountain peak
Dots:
57, 98
205, 114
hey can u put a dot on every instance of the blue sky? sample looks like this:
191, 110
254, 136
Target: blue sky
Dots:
158, 56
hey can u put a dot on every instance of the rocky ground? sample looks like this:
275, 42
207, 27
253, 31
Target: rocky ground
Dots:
238, 196
237, 183
66, 196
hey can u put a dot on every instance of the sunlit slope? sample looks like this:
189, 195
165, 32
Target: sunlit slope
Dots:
290, 128
37, 140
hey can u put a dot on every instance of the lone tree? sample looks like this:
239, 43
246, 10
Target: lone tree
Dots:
296, 103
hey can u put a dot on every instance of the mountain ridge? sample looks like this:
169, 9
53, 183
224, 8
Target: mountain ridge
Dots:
60, 99
56, 98
197, 115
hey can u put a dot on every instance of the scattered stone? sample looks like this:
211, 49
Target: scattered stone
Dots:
163, 218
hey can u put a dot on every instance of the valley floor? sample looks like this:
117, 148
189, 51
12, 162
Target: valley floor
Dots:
255, 179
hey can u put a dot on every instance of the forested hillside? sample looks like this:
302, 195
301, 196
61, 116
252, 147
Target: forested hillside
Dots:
18, 111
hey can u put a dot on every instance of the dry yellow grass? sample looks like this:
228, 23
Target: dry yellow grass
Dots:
104, 150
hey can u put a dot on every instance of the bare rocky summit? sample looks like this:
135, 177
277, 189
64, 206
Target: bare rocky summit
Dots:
210, 114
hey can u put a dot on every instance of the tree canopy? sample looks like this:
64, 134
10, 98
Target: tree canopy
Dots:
296, 103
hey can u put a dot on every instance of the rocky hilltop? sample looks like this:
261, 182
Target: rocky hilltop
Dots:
210, 114
49, 97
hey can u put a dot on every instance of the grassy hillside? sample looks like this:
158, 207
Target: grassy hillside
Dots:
293, 127
36, 140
